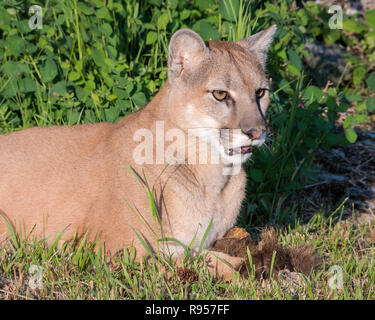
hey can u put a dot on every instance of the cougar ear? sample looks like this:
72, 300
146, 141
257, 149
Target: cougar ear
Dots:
186, 51
259, 43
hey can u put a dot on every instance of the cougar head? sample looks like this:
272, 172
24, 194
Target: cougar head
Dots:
219, 90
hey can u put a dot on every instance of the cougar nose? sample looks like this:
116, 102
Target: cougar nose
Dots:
255, 133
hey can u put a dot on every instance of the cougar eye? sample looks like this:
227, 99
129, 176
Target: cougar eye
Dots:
219, 95
260, 93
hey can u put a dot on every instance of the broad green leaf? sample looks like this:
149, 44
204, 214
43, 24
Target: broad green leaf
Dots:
353, 26
108, 80
103, 13
98, 57
370, 81
16, 45
358, 75
59, 87
27, 85
370, 104
72, 116
112, 114
173, 4
294, 70
23, 26
229, 9
206, 30
313, 93
204, 4
151, 37
48, 71
11, 89
15, 69
121, 94
294, 59
350, 135
332, 36
185, 14
139, 99
106, 29
86, 9
353, 97
162, 21
82, 93
349, 122
73, 76
370, 17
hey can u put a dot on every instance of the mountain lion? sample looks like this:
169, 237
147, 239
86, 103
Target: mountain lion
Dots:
90, 178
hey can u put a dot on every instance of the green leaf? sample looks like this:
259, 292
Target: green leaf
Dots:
370, 104
358, 75
332, 36
370, 17
86, 9
151, 37
12, 68
139, 99
73, 116
353, 26
73, 76
112, 114
350, 135
203, 4
23, 26
11, 89
16, 45
48, 71
106, 29
173, 4
229, 9
349, 122
185, 14
98, 57
353, 97
206, 30
59, 87
294, 59
121, 94
27, 85
312, 93
370, 81
103, 13
82, 93
294, 70
163, 21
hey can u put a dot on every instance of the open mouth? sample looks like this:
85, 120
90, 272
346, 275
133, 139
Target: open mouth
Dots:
243, 150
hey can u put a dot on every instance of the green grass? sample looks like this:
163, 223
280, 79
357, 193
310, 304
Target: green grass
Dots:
76, 271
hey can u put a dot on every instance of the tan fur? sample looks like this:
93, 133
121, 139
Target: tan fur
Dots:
74, 177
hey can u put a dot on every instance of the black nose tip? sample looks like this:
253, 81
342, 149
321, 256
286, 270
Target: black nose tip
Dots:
255, 133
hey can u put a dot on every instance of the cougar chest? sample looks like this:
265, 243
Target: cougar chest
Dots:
209, 208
